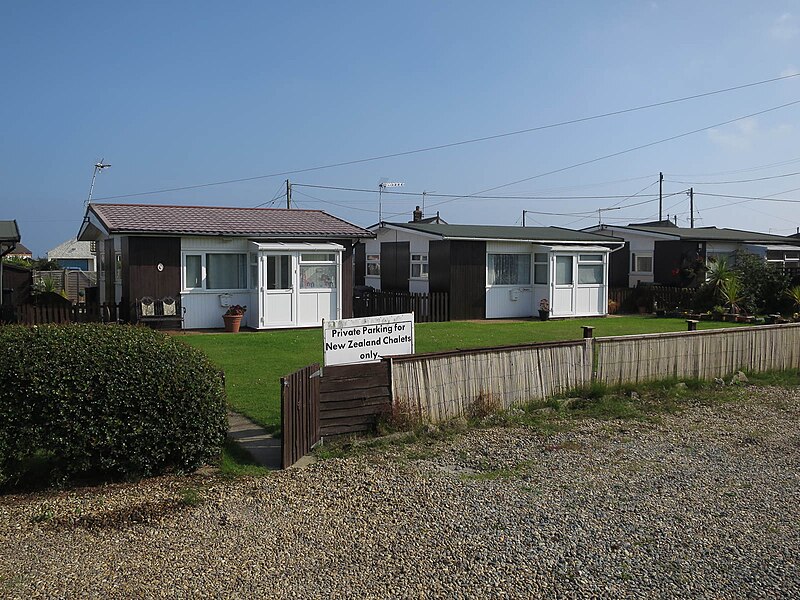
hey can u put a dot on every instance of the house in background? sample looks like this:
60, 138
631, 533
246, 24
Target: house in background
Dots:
9, 241
20, 251
491, 271
73, 254
290, 267
665, 254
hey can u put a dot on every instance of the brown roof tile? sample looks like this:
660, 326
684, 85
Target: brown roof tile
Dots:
224, 220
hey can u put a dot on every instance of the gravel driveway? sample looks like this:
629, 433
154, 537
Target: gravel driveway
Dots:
701, 504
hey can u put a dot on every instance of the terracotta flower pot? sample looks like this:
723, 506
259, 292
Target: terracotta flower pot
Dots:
544, 315
232, 323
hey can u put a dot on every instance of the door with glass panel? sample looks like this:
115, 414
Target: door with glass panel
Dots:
563, 301
318, 295
279, 305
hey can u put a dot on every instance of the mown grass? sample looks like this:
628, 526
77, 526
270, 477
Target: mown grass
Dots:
254, 362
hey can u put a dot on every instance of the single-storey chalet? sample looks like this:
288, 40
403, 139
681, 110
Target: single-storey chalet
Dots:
291, 268
74, 255
491, 271
662, 253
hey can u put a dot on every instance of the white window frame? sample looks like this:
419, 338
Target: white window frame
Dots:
320, 263
538, 263
501, 285
376, 260
204, 273
582, 260
635, 256
422, 261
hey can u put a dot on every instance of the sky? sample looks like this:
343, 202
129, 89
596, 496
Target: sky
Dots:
182, 94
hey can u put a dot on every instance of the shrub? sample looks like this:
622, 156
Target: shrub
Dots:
107, 400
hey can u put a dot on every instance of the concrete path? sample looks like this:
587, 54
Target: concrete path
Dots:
261, 445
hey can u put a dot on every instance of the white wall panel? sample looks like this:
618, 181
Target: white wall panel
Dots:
204, 311
509, 301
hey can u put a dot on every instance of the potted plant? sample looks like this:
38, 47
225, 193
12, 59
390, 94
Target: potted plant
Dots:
233, 317
544, 309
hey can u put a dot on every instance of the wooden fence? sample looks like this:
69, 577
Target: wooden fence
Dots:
440, 386
427, 308
39, 314
697, 354
300, 422
354, 397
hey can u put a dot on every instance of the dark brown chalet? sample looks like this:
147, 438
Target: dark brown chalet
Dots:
290, 267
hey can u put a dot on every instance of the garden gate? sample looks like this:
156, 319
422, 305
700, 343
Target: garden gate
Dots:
299, 414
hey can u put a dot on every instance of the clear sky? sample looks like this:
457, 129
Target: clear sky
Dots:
178, 94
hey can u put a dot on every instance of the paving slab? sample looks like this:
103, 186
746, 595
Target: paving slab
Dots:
257, 441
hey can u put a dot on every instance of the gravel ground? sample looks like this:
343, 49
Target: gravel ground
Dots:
702, 504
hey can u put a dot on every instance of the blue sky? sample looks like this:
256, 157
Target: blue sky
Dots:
180, 94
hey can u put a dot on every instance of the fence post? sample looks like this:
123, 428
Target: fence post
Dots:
588, 332
588, 352
692, 324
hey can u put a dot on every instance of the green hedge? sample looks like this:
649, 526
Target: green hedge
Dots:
108, 400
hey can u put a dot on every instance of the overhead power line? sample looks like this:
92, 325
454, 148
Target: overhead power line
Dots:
749, 198
455, 144
627, 151
783, 175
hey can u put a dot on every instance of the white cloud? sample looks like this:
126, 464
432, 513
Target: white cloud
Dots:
748, 134
737, 136
790, 70
785, 28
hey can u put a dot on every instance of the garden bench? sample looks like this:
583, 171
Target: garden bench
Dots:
166, 310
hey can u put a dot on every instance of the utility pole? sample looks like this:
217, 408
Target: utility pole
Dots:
691, 208
660, 193
288, 194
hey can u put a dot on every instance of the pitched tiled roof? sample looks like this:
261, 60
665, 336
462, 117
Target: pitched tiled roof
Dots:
506, 232
223, 220
71, 249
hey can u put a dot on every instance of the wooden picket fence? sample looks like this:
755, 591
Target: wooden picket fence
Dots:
40, 314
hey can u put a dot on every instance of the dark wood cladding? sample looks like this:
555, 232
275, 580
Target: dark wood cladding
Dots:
395, 266
140, 275
347, 279
360, 258
619, 264
459, 268
674, 254
354, 397
300, 424
17, 282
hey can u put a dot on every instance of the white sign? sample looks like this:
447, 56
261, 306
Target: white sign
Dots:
368, 339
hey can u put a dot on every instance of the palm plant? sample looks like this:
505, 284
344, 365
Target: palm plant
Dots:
719, 271
794, 294
731, 291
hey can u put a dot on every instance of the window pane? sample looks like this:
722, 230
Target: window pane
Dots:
563, 270
318, 257
591, 258
415, 269
279, 272
590, 274
374, 257
644, 264
540, 273
509, 269
318, 276
194, 271
373, 268
226, 271
540, 257
416, 257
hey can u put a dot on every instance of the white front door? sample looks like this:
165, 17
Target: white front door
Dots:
563, 303
279, 301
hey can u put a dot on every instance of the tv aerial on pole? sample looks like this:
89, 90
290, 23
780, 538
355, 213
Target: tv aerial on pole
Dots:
98, 166
382, 185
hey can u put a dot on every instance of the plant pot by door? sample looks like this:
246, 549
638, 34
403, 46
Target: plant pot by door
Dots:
544, 315
232, 323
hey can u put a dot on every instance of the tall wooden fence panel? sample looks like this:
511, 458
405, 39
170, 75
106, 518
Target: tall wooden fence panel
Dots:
353, 398
697, 354
441, 386
40, 314
299, 414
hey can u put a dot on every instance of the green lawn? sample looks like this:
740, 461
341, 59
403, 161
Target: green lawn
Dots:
254, 362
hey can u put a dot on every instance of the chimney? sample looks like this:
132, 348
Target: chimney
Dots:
417, 215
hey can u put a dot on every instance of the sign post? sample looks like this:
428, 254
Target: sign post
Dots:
368, 339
